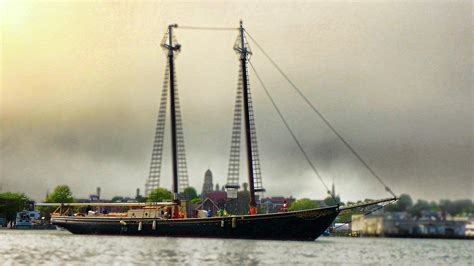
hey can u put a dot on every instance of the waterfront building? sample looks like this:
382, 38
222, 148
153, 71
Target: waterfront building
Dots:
368, 226
219, 197
469, 231
92, 197
401, 224
208, 205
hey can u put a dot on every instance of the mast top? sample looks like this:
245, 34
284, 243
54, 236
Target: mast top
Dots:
241, 46
170, 39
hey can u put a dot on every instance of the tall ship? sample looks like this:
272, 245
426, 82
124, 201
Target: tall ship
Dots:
169, 218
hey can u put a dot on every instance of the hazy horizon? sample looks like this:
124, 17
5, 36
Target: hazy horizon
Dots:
81, 82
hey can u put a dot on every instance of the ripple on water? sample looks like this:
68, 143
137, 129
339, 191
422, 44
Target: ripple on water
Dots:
59, 247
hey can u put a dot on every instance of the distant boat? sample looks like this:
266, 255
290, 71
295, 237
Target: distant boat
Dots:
26, 219
165, 218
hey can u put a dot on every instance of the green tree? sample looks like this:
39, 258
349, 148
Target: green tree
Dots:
11, 203
346, 216
392, 207
329, 201
434, 206
303, 204
456, 207
196, 200
403, 204
117, 199
61, 194
419, 207
160, 194
189, 193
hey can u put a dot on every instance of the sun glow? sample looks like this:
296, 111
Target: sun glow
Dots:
15, 14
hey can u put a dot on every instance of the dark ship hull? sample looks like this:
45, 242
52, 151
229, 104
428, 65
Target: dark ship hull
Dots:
299, 225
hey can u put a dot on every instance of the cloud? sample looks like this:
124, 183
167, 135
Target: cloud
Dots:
79, 105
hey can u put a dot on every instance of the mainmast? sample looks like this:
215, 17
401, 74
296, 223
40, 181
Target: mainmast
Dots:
174, 144
244, 56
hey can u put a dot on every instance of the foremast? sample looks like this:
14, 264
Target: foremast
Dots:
244, 57
174, 145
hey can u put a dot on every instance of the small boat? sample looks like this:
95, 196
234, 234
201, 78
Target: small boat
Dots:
27, 219
167, 219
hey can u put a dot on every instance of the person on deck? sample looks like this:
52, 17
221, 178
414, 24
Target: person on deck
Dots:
167, 215
253, 211
220, 212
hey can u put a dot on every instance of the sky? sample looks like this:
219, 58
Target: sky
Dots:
81, 81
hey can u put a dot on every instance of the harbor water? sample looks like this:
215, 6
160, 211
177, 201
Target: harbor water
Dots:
60, 248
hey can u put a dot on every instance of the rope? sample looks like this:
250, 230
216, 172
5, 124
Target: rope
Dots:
323, 118
366, 214
205, 28
315, 170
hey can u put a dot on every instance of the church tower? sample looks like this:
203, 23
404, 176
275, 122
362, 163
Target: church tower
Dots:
207, 186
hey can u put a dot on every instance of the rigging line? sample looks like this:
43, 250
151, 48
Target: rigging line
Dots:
205, 28
366, 214
323, 118
315, 170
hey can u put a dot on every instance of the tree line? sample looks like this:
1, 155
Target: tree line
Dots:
444, 206
11, 203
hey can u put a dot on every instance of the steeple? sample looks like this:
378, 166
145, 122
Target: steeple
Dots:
333, 190
208, 185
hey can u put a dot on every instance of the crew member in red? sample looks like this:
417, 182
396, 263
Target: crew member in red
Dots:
253, 210
285, 206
